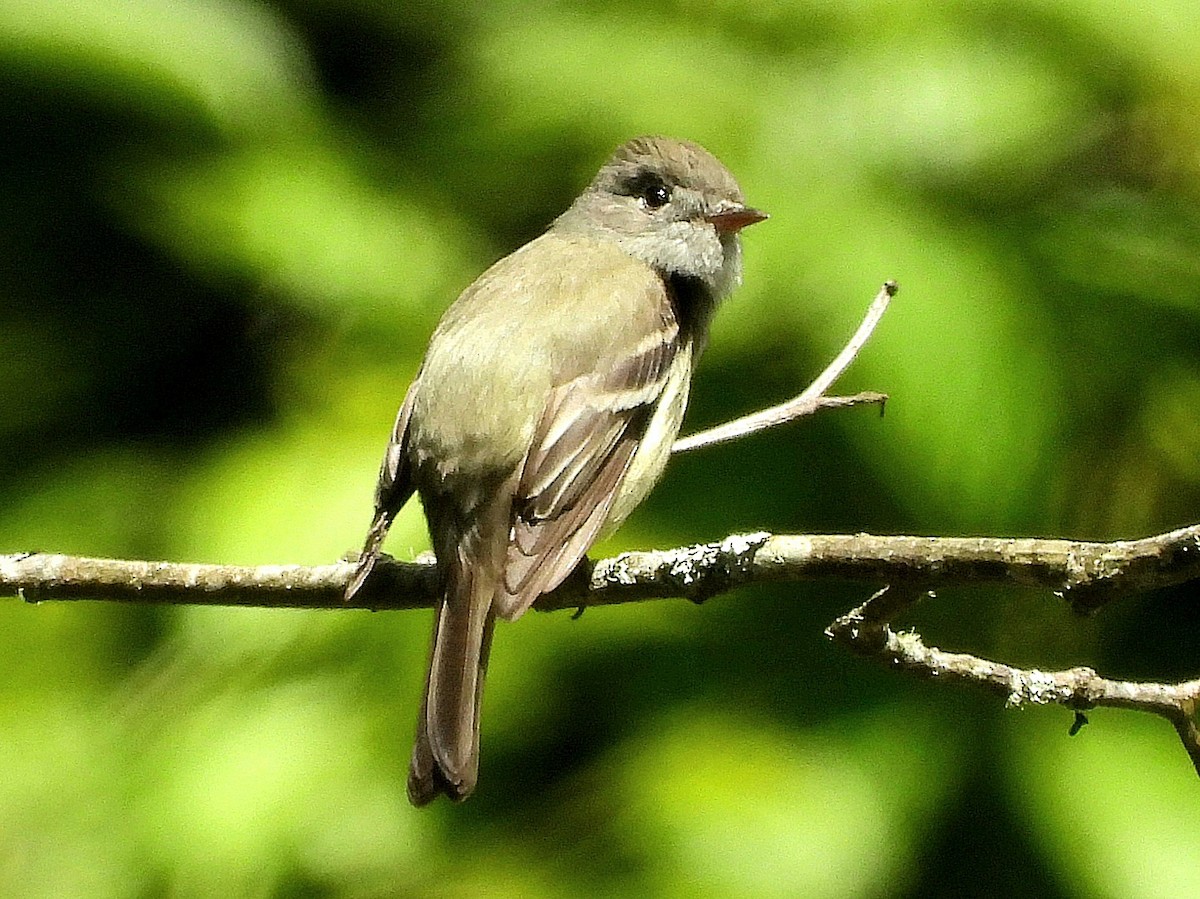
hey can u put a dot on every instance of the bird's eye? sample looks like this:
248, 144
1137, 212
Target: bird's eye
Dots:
648, 187
656, 195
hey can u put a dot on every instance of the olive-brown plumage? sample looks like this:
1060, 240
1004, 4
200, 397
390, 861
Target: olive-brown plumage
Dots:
545, 410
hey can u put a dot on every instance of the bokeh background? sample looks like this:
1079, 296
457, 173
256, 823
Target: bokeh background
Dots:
226, 230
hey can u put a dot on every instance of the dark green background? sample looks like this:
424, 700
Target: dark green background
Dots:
226, 231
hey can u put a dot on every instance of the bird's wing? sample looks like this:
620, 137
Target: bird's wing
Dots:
392, 491
587, 435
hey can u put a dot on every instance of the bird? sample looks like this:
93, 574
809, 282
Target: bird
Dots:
545, 409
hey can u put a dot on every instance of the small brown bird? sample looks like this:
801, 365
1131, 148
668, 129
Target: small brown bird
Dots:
545, 411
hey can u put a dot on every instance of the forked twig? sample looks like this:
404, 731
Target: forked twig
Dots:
813, 398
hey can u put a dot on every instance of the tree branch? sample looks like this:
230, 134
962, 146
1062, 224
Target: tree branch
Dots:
1087, 574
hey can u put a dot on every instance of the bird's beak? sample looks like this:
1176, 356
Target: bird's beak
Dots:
733, 218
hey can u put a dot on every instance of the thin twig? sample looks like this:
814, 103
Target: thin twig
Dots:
813, 398
866, 630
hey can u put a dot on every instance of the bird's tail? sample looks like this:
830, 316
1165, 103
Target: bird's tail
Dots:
445, 758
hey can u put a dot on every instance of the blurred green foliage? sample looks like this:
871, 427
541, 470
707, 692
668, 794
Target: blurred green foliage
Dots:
229, 226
